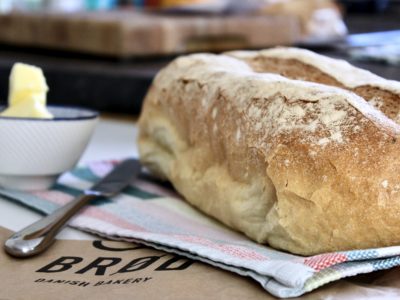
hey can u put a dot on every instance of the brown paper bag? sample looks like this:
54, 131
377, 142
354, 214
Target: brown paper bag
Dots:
118, 270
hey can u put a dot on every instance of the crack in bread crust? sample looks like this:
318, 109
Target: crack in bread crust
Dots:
271, 61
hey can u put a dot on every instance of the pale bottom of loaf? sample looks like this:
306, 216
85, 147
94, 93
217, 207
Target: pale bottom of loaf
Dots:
214, 191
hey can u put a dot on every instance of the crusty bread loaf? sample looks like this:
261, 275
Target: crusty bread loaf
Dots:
306, 65
301, 166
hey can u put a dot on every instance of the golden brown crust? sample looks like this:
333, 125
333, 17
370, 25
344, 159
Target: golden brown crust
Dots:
304, 167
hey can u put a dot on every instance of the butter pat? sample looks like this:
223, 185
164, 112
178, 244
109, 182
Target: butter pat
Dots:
27, 95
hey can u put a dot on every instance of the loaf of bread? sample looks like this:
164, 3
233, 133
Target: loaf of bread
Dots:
301, 166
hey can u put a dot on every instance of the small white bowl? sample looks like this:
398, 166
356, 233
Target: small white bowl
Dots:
34, 152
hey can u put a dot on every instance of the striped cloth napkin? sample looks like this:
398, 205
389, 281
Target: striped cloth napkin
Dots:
151, 214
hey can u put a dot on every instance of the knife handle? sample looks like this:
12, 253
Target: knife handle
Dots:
38, 236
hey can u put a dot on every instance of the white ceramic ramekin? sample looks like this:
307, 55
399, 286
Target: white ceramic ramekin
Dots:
34, 152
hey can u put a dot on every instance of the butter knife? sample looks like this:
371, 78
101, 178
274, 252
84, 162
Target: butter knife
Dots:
38, 236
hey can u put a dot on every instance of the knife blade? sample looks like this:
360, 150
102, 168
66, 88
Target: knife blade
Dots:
114, 182
38, 236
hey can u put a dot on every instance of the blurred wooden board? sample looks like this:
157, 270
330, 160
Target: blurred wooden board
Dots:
131, 33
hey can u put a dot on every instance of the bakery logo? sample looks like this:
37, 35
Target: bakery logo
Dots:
107, 266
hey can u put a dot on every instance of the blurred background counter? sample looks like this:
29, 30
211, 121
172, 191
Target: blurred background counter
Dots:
103, 54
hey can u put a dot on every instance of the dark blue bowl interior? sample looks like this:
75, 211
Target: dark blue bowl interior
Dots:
62, 113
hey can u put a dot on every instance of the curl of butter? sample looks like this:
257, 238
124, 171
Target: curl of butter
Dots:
27, 93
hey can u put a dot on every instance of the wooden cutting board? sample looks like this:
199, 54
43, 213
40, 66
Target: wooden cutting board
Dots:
131, 33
